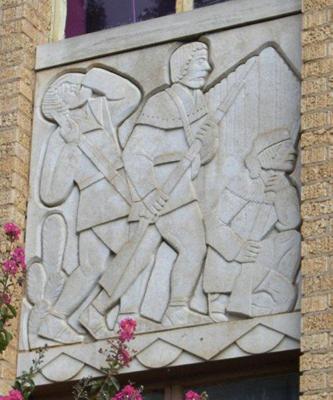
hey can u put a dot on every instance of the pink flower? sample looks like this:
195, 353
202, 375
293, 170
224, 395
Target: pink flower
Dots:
124, 357
5, 298
18, 255
12, 231
190, 395
15, 395
127, 329
10, 267
129, 392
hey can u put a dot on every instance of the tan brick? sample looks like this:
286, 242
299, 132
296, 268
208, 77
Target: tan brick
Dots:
317, 284
316, 361
314, 19
314, 86
316, 137
317, 68
321, 321
314, 154
315, 119
313, 5
315, 342
317, 396
314, 303
317, 35
316, 247
316, 190
314, 51
312, 381
315, 173
315, 228
314, 266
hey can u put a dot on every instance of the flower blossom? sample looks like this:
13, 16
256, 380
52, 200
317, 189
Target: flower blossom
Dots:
190, 395
124, 357
129, 392
12, 231
10, 267
5, 298
13, 395
18, 255
127, 329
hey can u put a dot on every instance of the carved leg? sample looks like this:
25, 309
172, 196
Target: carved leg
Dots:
277, 292
93, 257
183, 229
93, 317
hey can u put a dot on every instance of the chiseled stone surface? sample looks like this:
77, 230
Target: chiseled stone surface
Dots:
164, 186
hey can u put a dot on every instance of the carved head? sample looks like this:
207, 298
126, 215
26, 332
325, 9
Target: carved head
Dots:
64, 94
271, 151
189, 65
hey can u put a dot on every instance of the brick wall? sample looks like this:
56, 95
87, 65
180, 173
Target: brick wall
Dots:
317, 201
23, 25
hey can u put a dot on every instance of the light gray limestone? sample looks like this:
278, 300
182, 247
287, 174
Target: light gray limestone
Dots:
164, 187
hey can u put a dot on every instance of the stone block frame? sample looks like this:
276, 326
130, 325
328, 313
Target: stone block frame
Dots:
268, 42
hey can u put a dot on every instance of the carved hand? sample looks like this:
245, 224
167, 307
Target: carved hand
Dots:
208, 136
155, 202
248, 252
69, 130
276, 182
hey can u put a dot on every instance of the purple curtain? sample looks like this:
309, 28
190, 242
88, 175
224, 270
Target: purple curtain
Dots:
76, 18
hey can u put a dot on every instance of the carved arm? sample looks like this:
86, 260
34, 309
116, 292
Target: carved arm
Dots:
58, 172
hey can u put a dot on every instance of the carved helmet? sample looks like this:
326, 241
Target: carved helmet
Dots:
263, 142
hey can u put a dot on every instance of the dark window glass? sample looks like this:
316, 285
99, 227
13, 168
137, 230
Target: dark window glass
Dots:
203, 3
93, 15
282, 387
154, 395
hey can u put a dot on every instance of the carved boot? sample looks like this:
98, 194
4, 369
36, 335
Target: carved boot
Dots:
177, 315
56, 328
95, 323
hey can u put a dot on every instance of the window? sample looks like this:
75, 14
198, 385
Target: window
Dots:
281, 387
203, 3
85, 16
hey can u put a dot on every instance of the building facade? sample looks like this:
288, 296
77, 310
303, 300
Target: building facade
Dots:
223, 295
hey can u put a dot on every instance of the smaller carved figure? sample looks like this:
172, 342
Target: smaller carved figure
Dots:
254, 247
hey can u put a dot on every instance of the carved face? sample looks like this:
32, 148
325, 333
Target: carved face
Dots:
74, 95
197, 70
281, 157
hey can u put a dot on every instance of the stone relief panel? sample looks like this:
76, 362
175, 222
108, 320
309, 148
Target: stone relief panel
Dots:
168, 194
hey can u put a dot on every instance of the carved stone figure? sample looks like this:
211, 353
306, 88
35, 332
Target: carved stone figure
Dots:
170, 122
84, 151
254, 248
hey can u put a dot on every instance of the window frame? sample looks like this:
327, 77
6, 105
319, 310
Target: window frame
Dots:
174, 380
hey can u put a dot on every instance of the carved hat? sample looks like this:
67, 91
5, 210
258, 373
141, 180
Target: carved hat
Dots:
263, 142
54, 98
181, 59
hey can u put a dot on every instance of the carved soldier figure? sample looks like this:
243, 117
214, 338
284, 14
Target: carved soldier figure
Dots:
84, 152
254, 247
166, 128
169, 123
